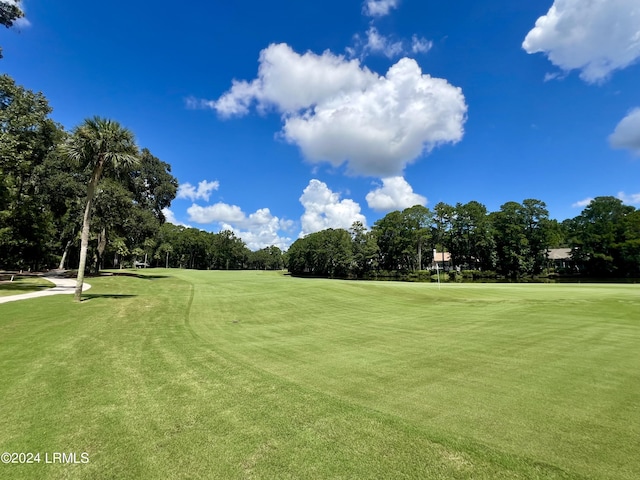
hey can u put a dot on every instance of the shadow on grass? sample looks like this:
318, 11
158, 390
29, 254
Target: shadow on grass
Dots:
118, 296
27, 287
138, 275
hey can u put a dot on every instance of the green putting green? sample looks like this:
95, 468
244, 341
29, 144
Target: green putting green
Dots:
194, 374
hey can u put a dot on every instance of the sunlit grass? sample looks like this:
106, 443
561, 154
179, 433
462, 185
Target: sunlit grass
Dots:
183, 374
21, 284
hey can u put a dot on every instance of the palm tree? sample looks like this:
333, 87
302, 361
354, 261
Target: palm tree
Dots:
95, 144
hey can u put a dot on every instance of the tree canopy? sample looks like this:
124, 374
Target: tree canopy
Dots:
9, 13
44, 174
513, 242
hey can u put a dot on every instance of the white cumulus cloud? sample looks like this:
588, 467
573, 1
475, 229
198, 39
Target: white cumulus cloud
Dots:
394, 194
377, 43
632, 199
258, 230
219, 212
582, 203
290, 82
420, 44
337, 111
627, 132
194, 103
202, 192
380, 129
379, 8
324, 209
170, 217
261, 229
596, 37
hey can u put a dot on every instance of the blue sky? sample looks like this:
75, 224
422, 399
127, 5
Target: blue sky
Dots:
281, 118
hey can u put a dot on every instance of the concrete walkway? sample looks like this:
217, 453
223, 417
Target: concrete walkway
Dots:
62, 285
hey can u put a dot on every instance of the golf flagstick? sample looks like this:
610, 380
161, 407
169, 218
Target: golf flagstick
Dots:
437, 269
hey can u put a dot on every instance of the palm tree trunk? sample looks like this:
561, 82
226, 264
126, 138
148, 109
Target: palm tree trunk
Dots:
102, 244
64, 255
86, 227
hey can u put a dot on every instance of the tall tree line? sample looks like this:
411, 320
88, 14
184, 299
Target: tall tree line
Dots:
53, 182
176, 246
43, 193
604, 240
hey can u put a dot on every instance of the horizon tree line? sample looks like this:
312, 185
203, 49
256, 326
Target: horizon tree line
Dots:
513, 242
52, 181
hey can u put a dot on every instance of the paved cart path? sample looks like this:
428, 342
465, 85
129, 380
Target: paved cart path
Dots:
62, 285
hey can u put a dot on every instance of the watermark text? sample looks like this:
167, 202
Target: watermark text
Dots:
44, 457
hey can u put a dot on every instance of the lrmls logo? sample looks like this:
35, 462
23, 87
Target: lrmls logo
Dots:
61, 457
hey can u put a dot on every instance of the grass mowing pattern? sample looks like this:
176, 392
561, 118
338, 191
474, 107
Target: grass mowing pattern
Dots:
188, 374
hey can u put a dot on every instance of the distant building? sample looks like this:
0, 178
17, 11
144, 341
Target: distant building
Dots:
560, 259
442, 260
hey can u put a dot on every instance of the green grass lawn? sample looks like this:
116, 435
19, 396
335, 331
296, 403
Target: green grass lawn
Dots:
23, 285
186, 374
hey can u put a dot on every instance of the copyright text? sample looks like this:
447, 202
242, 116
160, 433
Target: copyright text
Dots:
46, 457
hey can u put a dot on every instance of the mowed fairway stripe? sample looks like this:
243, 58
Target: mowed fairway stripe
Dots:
181, 374
545, 370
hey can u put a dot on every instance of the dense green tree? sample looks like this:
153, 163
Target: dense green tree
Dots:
522, 237
64, 188
162, 253
296, 257
268, 258
167, 239
230, 252
598, 234
326, 253
401, 238
537, 232
336, 254
396, 245
41, 190
112, 208
94, 145
191, 248
140, 229
443, 215
558, 234
10, 12
512, 246
365, 250
275, 258
472, 243
152, 184
418, 221
27, 138
131, 207
182, 247
628, 248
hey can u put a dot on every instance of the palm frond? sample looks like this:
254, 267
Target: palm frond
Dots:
102, 140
